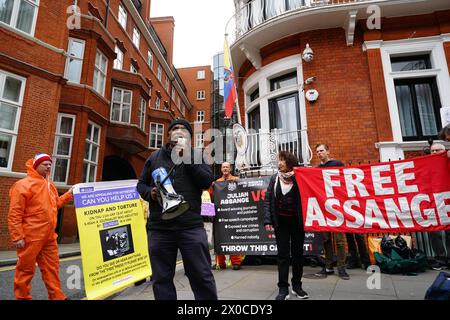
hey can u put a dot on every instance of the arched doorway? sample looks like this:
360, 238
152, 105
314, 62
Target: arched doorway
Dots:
116, 168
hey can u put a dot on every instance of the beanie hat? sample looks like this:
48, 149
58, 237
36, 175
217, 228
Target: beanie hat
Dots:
183, 122
40, 157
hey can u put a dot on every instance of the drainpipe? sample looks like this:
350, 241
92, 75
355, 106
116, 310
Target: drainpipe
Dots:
107, 14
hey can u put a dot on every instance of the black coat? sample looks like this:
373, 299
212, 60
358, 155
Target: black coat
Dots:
270, 210
188, 180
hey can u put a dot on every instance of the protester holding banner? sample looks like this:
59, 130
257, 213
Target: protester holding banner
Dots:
220, 258
184, 232
282, 211
441, 259
323, 152
33, 210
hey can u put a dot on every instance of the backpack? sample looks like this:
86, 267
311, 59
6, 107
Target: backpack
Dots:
397, 264
440, 289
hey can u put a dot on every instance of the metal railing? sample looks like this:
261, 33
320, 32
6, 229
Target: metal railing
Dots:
257, 12
263, 147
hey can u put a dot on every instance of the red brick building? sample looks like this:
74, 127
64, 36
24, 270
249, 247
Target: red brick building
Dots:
97, 96
382, 74
199, 93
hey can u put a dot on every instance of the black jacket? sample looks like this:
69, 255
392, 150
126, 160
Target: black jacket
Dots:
188, 180
270, 211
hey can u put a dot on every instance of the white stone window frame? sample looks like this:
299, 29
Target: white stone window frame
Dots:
55, 155
101, 74
201, 95
150, 59
434, 46
141, 117
261, 78
159, 72
136, 37
118, 62
122, 16
201, 116
201, 74
121, 103
15, 15
66, 70
92, 164
13, 133
157, 103
166, 84
158, 135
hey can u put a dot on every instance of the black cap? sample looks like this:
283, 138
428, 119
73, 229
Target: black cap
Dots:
183, 122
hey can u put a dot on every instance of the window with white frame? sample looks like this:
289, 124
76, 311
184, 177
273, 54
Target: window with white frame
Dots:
201, 95
157, 103
121, 105
183, 109
91, 151
178, 103
166, 85
199, 140
101, 64
20, 14
122, 16
136, 37
62, 150
133, 69
200, 116
172, 94
156, 135
159, 72
141, 117
150, 59
118, 62
200, 74
12, 88
74, 62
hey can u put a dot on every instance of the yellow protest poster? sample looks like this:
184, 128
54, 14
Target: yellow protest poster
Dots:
113, 239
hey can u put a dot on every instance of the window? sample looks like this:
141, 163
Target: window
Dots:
418, 108
166, 85
201, 95
101, 63
254, 119
254, 95
122, 16
141, 117
172, 94
62, 150
118, 62
178, 103
12, 88
156, 135
157, 103
91, 150
150, 59
19, 14
133, 69
200, 116
410, 63
283, 81
159, 73
200, 74
121, 105
74, 62
183, 109
199, 140
136, 37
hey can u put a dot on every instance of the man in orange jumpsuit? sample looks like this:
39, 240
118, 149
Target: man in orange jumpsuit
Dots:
220, 259
34, 202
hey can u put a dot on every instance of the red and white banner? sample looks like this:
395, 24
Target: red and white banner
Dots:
399, 196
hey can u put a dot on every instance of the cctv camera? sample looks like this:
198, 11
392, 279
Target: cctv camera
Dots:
310, 80
308, 54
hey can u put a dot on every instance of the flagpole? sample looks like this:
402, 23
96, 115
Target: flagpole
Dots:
238, 111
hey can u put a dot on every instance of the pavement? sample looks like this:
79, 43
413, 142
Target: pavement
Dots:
259, 283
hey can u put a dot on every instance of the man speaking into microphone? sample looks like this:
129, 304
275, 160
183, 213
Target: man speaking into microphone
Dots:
173, 167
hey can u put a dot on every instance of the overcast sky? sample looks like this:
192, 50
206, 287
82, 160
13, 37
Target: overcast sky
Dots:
199, 28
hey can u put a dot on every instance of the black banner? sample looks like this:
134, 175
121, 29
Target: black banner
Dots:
239, 221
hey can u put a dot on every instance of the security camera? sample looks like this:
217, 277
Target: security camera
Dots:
308, 54
310, 80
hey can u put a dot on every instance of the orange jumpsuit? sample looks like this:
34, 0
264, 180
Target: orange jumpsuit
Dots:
32, 216
220, 258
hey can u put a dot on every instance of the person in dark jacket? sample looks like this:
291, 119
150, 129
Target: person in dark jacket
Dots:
323, 153
282, 211
186, 232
